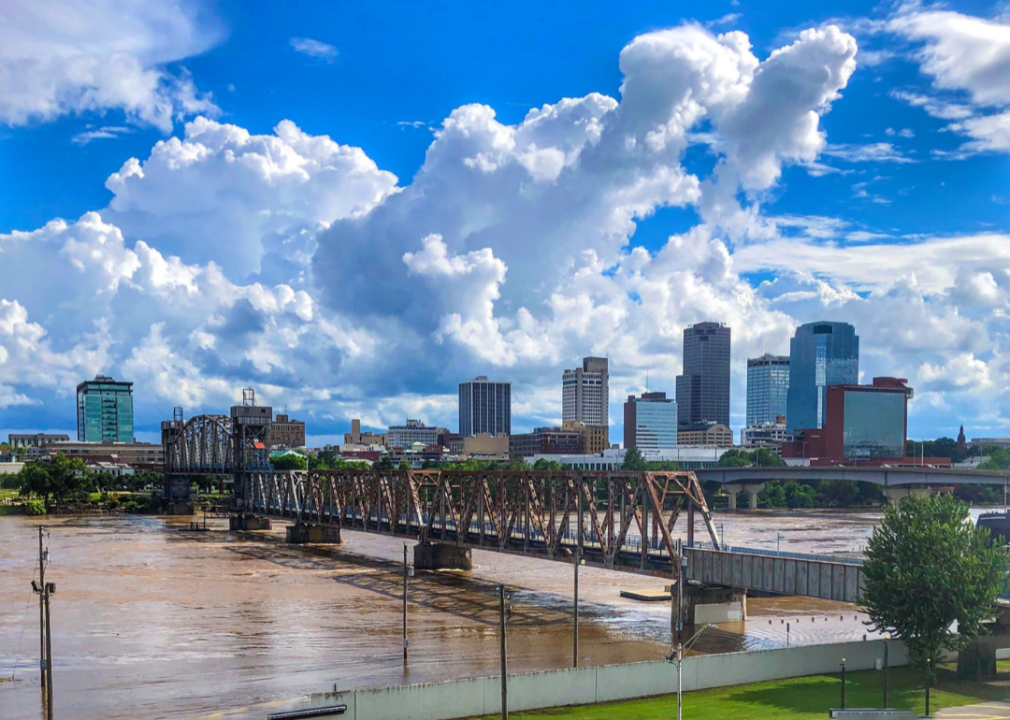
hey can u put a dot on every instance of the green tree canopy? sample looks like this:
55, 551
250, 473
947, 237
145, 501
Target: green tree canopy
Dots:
633, 460
59, 479
289, 461
926, 567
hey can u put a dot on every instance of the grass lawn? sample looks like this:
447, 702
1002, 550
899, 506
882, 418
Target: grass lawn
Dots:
808, 697
8, 494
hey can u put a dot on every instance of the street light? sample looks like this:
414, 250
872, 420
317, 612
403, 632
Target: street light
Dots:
676, 657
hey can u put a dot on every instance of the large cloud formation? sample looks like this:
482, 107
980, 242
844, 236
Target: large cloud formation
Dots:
64, 56
295, 264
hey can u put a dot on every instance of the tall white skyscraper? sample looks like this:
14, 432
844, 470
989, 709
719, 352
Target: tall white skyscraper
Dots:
585, 393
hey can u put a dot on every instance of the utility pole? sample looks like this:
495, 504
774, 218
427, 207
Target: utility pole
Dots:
47, 591
405, 573
577, 558
503, 613
42, 613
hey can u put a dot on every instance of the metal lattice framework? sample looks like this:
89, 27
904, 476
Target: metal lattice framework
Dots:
204, 444
621, 519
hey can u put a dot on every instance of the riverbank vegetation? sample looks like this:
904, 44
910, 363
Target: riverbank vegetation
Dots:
803, 698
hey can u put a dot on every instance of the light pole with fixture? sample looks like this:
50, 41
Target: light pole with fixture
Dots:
676, 657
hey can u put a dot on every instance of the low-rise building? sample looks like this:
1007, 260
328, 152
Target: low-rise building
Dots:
595, 438
129, 453
414, 431
17, 440
767, 435
717, 435
546, 441
287, 433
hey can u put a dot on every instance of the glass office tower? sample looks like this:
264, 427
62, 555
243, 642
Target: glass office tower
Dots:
767, 389
650, 422
820, 354
105, 410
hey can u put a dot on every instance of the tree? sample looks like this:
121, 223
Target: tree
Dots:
60, 479
633, 460
926, 567
734, 457
289, 461
385, 463
545, 465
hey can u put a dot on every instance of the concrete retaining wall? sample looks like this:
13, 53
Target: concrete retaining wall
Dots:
580, 686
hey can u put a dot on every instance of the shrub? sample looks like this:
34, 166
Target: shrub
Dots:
34, 507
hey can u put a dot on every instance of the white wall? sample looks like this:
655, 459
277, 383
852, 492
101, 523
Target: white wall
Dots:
530, 691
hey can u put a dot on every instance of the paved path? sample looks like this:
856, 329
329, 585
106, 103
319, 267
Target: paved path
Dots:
984, 711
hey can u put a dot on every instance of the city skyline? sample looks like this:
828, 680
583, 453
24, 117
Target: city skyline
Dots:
353, 227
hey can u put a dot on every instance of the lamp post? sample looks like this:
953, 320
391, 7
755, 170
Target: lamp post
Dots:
843, 683
677, 658
886, 638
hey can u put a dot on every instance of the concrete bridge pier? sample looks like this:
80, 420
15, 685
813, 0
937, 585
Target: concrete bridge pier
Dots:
752, 490
248, 522
897, 493
714, 604
304, 533
438, 556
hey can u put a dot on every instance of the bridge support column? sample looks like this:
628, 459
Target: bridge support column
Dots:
304, 533
705, 604
248, 522
897, 493
732, 490
752, 490
752, 495
436, 556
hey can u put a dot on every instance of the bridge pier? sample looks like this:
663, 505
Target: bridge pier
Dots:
303, 533
752, 490
248, 522
714, 604
897, 493
437, 556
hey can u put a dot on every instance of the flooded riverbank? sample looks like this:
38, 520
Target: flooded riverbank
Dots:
150, 621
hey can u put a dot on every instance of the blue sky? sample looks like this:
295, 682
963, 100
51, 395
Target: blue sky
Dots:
503, 246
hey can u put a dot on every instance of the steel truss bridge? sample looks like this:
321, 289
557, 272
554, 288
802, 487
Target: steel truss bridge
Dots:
621, 520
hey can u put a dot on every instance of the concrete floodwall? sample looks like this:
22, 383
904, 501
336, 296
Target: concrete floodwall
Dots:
579, 686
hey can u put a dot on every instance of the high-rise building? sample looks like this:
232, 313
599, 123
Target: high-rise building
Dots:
650, 422
767, 389
585, 393
485, 407
105, 410
703, 389
820, 354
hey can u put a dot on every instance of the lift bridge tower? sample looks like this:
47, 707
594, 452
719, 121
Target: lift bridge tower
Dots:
236, 444
250, 441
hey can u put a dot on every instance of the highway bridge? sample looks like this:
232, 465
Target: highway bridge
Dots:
897, 481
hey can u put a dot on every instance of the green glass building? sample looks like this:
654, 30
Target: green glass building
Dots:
105, 410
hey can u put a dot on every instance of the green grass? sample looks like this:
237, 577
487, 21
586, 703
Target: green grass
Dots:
794, 699
8, 494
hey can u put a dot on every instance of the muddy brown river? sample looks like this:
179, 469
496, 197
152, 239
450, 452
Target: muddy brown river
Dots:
150, 621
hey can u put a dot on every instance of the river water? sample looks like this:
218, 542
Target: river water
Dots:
152, 621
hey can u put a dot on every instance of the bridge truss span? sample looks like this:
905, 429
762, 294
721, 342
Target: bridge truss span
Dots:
621, 519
